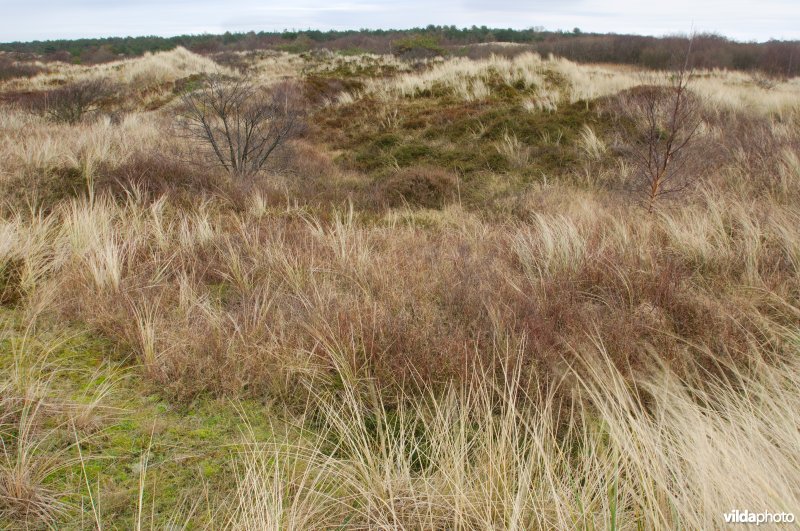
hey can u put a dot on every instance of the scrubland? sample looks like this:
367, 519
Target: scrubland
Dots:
441, 307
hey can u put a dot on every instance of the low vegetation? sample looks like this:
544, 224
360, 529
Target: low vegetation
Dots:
438, 304
711, 50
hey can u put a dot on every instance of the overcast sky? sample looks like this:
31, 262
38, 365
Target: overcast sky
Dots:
50, 19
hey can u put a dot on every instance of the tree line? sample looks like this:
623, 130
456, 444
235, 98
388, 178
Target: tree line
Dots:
711, 50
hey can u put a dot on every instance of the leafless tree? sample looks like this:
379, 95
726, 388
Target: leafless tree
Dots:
666, 120
239, 123
71, 102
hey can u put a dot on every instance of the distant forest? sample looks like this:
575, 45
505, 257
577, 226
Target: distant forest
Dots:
780, 58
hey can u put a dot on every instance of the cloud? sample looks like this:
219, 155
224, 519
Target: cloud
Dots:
522, 6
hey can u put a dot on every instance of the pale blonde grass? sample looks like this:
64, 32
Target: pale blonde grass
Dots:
31, 247
789, 171
784, 226
14, 120
345, 98
106, 264
348, 242
466, 78
32, 153
158, 224
493, 458
283, 488
145, 335
274, 67
517, 153
32, 414
592, 145
196, 230
24, 493
92, 234
726, 89
707, 434
546, 100
45, 147
494, 461
85, 225
162, 66
140, 72
736, 90
722, 237
552, 245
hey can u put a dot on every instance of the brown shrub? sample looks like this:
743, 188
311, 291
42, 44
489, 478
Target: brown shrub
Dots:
232, 60
10, 272
319, 89
10, 69
237, 124
418, 186
259, 305
27, 100
70, 103
664, 122
306, 161
158, 174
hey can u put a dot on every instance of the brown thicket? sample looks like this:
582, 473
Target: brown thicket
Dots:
73, 101
239, 124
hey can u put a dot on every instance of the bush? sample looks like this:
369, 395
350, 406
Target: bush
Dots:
43, 187
72, 102
418, 47
239, 124
11, 69
419, 186
665, 122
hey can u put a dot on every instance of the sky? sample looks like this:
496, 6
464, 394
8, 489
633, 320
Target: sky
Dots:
53, 19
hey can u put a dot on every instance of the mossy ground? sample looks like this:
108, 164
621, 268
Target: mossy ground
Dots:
101, 408
439, 130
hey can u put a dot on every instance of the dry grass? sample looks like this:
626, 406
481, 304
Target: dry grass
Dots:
147, 71
282, 272
466, 79
554, 80
488, 458
554, 357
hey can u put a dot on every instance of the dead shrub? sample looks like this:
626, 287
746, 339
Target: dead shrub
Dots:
305, 161
233, 60
238, 124
72, 102
26, 100
10, 273
662, 124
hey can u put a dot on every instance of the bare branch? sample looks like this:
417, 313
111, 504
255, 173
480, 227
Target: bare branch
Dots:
239, 123
666, 121
72, 102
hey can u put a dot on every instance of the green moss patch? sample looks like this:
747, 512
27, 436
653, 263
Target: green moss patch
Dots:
125, 431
